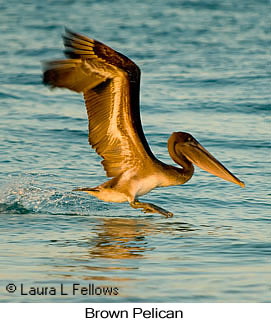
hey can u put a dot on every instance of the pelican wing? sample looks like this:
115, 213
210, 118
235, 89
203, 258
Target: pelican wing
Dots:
110, 84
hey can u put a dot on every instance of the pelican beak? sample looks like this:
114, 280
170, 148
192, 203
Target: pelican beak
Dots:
199, 156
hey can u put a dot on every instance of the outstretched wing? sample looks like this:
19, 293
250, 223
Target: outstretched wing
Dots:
110, 84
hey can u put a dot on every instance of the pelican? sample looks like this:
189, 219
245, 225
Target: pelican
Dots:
110, 83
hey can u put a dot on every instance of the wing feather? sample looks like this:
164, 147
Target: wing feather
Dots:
110, 85
73, 74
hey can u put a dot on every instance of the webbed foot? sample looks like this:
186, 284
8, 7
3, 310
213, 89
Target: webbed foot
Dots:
150, 208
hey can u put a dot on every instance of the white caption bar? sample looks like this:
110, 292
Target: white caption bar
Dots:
136, 312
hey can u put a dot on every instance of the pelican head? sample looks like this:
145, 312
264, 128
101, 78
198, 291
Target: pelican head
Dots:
186, 150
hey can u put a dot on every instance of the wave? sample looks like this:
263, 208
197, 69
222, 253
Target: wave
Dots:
13, 208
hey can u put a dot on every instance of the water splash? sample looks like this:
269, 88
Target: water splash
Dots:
26, 194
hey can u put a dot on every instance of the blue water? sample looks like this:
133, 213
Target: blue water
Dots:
205, 70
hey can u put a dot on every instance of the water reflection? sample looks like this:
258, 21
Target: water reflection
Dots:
120, 238
126, 238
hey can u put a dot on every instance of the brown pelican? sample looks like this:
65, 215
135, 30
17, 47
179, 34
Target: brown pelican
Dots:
110, 83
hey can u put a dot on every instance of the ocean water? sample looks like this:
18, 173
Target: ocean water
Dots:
205, 70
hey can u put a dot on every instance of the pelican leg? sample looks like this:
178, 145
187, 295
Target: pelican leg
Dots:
150, 208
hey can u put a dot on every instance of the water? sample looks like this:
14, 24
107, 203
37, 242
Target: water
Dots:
205, 70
